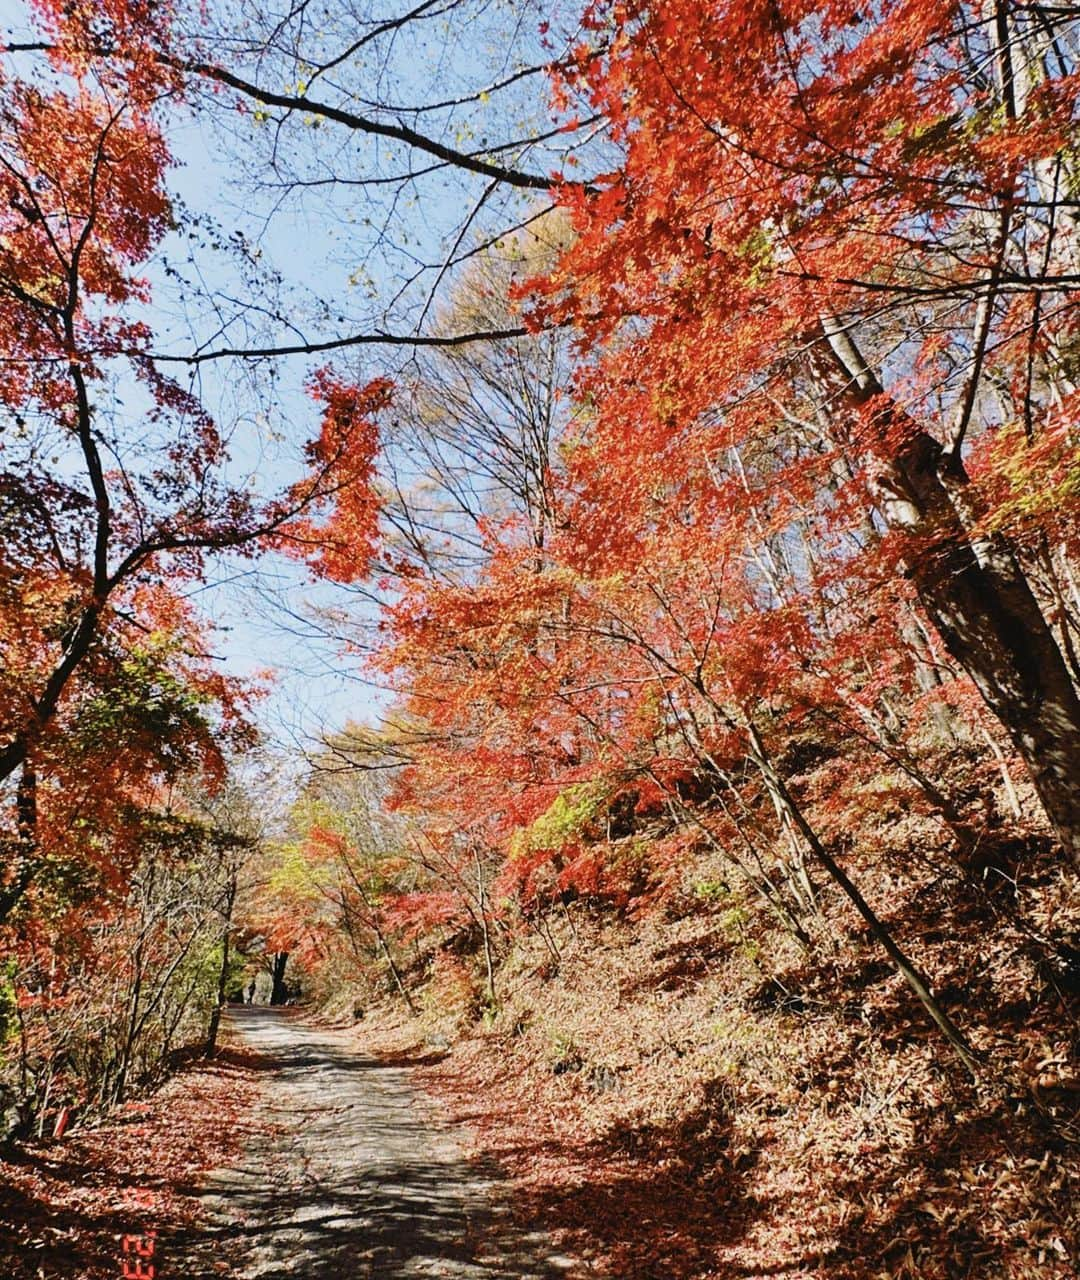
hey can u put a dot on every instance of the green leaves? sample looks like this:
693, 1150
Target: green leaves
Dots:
565, 822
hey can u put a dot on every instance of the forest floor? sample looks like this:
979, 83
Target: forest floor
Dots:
123, 1190
292, 1155
687, 1096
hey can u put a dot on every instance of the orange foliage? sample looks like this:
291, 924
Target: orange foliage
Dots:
342, 460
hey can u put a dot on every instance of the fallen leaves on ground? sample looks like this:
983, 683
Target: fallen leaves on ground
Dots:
66, 1206
661, 1111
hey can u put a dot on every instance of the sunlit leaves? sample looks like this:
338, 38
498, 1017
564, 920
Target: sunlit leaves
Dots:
342, 458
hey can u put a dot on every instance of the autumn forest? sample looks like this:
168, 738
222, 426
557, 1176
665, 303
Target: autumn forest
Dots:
662, 417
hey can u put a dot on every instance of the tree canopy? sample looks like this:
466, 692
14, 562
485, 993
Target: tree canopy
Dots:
681, 396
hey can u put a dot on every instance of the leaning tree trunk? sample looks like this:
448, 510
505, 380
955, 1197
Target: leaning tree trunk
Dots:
878, 929
973, 589
991, 623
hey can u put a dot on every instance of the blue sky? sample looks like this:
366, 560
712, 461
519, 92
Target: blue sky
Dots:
340, 254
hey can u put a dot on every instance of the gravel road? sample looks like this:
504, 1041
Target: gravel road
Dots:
349, 1174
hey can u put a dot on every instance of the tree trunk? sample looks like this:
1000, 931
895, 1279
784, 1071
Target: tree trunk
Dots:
223, 972
373, 923
485, 930
878, 929
973, 590
17, 877
278, 992
982, 605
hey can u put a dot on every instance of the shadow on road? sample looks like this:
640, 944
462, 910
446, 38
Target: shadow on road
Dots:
349, 1175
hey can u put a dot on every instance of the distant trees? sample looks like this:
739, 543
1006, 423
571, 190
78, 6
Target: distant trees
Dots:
348, 863
826, 289
118, 490
770, 495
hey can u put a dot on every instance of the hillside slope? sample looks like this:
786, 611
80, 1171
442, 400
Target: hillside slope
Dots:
689, 1095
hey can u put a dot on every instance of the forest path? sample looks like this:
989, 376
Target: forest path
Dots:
347, 1173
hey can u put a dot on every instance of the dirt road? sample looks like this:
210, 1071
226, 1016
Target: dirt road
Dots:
349, 1174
